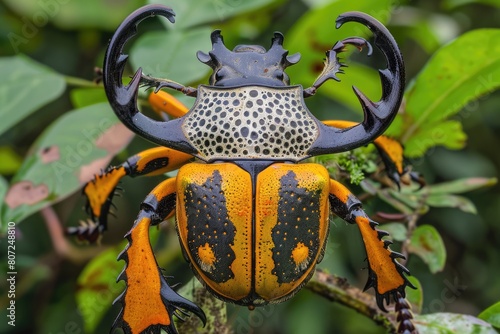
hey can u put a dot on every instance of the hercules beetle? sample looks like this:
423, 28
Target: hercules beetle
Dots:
252, 220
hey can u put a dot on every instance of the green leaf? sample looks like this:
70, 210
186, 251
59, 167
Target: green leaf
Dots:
452, 4
451, 201
450, 323
25, 87
314, 33
397, 231
10, 160
75, 14
448, 134
491, 315
462, 185
97, 284
67, 154
4, 185
172, 54
421, 30
82, 97
415, 296
458, 73
428, 245
191, 13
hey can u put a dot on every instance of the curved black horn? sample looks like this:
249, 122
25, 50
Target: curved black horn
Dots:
377, 115
123, 99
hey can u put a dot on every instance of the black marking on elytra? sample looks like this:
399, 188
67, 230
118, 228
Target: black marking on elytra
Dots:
298, 221
208, 222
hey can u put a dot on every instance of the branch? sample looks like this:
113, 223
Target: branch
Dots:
337, 289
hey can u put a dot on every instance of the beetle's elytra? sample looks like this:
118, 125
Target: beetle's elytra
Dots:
252, 219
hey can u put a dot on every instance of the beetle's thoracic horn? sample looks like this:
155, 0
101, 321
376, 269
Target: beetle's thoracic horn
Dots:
123, 99
377, 115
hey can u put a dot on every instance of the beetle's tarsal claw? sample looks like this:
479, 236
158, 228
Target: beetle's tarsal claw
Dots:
404, 315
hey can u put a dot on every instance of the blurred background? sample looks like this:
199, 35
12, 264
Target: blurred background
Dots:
69, 37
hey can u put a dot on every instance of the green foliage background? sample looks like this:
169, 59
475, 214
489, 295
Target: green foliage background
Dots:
451, 129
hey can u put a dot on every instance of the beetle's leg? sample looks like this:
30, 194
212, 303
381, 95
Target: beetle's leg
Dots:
100, 191
391, 152
157, 84
333, 64
385, 274
149, 303
165, 104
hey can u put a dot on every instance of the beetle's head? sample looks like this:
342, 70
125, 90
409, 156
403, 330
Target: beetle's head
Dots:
248, 64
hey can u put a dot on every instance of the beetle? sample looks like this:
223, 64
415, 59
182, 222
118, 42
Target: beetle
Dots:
252, 218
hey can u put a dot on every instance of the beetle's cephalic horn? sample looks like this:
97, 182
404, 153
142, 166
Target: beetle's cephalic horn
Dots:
277, 47
219, 50
218, 45
123, 99
377, 115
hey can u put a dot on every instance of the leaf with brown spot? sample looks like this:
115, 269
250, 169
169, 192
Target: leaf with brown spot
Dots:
428, 245
25, 192
65, 156
49, 154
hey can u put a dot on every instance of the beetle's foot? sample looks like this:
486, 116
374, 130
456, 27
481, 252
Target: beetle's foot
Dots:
99, 194
333, 65
397, 168
404, 316
88, 231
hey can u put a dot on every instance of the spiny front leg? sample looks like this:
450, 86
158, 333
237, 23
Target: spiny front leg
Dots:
333, 64
391, 152
386, 275
100, 191
149, 303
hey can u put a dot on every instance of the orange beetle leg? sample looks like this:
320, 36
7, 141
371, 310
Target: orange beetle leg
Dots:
100, 191
391, 152
386, 275
148, 301
162, 102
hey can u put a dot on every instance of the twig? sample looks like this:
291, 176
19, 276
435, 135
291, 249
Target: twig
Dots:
337, 289
412, 225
